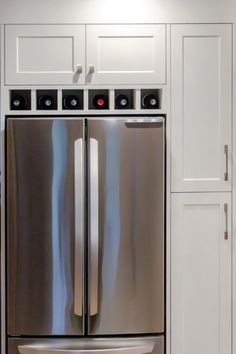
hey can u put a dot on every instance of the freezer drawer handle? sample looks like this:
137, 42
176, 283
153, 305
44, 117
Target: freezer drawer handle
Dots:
94, 233
79, 227
139, 348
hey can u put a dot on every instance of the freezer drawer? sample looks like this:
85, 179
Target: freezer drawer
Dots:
141, 345
126, 225
44, 193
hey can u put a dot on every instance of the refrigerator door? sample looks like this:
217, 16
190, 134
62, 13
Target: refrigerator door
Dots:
126, 226
45, 226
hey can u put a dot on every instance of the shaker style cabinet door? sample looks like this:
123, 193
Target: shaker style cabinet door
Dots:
126, 54
45, 54
201, 273
201, 98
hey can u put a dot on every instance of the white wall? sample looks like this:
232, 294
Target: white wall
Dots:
71, 11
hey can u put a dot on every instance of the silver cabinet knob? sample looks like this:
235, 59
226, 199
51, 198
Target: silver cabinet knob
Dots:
79, 69
91, 69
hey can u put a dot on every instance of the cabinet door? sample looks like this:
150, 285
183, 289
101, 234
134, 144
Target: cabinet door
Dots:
201, 70
126, 54
45, 54
201, 273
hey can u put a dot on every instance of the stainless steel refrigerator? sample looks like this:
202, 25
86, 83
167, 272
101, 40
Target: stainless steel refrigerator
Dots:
85, 233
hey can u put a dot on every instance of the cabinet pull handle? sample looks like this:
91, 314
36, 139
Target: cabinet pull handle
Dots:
91, 69
226, 150
79, 69
226, 233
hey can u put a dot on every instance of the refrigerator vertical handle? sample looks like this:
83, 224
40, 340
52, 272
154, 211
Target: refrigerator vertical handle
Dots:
79, 227
94, 233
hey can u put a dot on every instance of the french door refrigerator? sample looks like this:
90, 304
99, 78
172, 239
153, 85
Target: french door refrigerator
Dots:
85, 232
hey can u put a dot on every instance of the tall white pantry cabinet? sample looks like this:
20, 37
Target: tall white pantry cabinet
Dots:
201, 186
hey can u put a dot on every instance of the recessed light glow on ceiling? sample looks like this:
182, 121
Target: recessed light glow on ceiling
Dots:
122, 9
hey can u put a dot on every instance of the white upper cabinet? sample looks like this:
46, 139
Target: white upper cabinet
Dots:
55, 54
126, 54
45, 54
201, 99
201, 273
